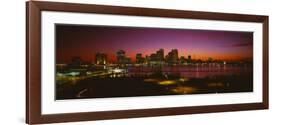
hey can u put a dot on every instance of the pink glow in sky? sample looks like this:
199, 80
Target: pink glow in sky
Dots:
85, 41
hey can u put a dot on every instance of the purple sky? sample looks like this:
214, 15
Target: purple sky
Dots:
85, 41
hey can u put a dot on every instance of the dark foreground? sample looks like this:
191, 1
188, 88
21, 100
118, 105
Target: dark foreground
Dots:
154, 85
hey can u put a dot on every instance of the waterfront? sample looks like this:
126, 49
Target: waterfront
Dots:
120, 61
154, 81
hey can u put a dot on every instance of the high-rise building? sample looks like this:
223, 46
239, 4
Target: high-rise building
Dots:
189, 59
172, 57
156, 58
127, 60
101, 59
139, 58
121, 56
182, 60
153, 57
147, 59
160, 55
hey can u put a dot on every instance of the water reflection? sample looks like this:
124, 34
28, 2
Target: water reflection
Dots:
149, 81
183, 90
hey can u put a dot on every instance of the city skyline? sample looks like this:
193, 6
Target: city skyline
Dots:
199, 44
111, 61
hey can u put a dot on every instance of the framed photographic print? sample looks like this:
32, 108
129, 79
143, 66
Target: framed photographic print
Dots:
93, 62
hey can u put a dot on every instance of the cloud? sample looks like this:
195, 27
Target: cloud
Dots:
242, 44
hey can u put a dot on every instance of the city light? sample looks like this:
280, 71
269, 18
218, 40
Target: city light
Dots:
106, 61
184, 90
167, 82
183, 79
74, 73
118, 70
150, 80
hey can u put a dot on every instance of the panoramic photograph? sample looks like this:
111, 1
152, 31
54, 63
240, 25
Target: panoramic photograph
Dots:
94, 61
